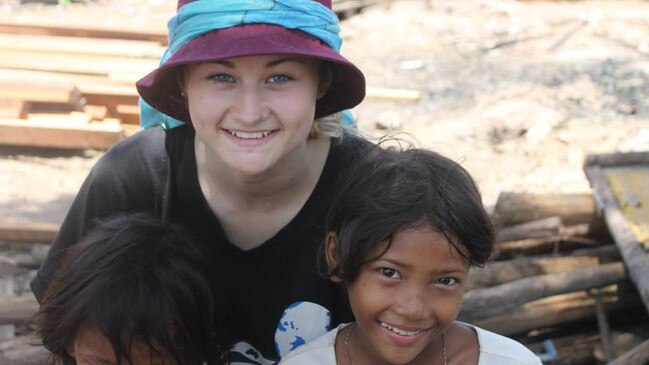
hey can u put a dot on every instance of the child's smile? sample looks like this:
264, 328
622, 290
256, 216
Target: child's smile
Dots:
405, 299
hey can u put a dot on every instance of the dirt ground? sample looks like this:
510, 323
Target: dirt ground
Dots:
518, 91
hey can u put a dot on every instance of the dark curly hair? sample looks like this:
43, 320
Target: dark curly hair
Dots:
391, 189
135, 280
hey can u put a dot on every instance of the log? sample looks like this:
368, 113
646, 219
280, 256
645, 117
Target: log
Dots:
500, 272
81, 46
545, 227
18, 309
498, 300
68, 136
535, 246
28, 232
631, 249
73, 28
637, 356
40, 91
515, 208
24, 350
560, 310
129, 114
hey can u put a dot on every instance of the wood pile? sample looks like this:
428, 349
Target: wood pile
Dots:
65, 85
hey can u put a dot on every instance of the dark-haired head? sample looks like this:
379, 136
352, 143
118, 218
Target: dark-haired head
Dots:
137, 282
391, 190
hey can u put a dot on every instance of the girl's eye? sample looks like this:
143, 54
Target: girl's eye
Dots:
447, 281
221, 78
390, 273
279, 79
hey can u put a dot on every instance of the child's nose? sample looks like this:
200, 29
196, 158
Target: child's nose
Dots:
414, 304
248, 106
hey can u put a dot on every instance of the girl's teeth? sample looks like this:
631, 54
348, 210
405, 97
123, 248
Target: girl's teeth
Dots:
400, 331
249, 135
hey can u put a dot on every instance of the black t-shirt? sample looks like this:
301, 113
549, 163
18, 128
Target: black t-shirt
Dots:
273, 294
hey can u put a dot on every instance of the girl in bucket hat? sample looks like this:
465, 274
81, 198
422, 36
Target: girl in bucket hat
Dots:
246, 149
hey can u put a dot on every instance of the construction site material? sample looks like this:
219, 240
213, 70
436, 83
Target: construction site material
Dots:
624, 204
28, 232
99, 135
514, 208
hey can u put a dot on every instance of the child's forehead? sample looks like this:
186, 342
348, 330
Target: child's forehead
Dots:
410, 242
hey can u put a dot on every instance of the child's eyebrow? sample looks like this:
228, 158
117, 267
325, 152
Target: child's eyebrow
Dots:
438, 271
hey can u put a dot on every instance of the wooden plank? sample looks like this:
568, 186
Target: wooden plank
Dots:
639, 355
498, 300
129, 114
514, 208
560, 309
41, 91
28, 232
75, 64
17, 309
81, 46
80, 28
631, 248
69, 136
500, 272
13, 109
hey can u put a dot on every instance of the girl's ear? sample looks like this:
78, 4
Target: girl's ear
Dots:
332, 257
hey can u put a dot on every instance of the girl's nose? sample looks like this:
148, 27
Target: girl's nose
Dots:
414, 304
249, 106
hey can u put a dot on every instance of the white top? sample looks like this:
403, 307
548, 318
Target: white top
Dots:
494, 350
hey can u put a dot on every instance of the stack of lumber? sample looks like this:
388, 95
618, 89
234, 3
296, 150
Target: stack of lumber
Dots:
66, 83
558, 278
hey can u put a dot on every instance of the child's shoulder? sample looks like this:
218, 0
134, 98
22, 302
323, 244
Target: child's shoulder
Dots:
496, 349
320, 351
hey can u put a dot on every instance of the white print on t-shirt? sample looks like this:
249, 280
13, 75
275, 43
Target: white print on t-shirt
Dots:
301, 322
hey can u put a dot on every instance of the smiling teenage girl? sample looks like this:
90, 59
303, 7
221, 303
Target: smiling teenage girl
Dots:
252, 169
403, 234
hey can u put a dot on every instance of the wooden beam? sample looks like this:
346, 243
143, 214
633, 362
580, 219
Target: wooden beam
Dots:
639, 355
69, 136
28, 232
500, 272
515, 208
632, 250
129, 114
18, 309
81, 46
76, 28
560, 309
41, 92
498, 300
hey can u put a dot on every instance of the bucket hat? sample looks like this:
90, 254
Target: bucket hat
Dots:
161, 89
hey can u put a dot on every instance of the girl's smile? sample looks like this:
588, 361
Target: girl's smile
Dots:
253, 112
406, 298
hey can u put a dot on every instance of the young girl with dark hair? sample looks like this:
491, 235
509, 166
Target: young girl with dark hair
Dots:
403, 234
134, 291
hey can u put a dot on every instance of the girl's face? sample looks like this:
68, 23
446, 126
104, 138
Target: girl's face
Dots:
91, 347
405, 299
253, 111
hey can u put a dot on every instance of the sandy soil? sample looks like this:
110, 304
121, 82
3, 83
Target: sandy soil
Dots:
519, 92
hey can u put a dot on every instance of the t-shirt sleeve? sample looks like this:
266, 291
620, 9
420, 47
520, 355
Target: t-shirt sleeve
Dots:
128, 178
